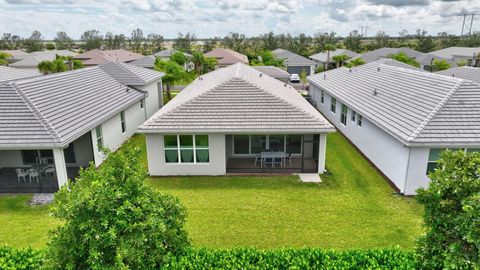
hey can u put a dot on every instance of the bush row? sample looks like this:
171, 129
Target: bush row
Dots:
308, 258
19, 259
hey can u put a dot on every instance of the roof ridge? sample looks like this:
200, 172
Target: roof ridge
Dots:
43, 120
435, 110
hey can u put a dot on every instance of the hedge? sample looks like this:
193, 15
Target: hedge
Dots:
19, 259
308, 258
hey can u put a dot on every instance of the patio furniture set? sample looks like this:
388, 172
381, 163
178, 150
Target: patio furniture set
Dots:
273, 158
43, 168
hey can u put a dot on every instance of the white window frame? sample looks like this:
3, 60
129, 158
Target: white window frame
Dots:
322, 97
354, 116
142, 103
100, 143
360, 120
123, 122
343, 114
333, 105
194, 148
267, 144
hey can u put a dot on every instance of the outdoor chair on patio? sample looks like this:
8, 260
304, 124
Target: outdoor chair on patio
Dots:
277, 160
258, 158
33, 174
21, 174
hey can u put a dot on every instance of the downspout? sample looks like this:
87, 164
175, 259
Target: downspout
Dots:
408, 166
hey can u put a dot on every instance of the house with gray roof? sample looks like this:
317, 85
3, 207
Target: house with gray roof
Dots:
324, 59
8, 73
31, 61
236, 120
469, 55
149, 60
467, 73
274, 72
295, 63
54, 124
400, 118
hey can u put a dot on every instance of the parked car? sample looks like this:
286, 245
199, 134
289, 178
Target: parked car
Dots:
294, 78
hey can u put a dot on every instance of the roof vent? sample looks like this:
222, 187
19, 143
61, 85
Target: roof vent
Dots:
378, 68
285, 85
453, 74
350, 69
261, 75
375, 91
200, 78
324, 76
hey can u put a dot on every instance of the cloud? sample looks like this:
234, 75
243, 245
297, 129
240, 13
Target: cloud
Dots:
400, 3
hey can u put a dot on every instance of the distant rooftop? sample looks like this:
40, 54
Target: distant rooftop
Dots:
97, 57
322, 56
273, 72
450, 52
8, 73
468, 73
227, 56
33, 59
291, 58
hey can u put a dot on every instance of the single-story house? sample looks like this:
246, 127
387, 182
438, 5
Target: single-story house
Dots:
324, 59
227, 57
8, 73
295, 63
31, 61
424, 59
97, 57
469, 55
274, 72
400, 118
468, 73
236, 120
52, 125
16, 55
149, 60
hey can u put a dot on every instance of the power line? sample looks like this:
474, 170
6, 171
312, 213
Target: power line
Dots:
466, 26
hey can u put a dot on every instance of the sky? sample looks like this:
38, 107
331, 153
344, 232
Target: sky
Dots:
207, 18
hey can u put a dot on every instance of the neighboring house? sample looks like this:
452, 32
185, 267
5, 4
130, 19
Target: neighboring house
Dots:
400, 118
8, 73
424, 59
274, 72
223, 121
471, 56
295, 63
98, 57
323, 59
17, 55
31, 61
468, 73
227, 57
55, 124
149, 60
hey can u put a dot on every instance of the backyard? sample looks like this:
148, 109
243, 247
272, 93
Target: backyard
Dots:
352, 208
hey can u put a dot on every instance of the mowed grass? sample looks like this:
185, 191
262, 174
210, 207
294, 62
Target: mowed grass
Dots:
353, 208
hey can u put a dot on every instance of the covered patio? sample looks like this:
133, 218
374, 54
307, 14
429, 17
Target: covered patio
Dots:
11, 183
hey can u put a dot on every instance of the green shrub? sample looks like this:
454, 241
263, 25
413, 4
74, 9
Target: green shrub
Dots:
308, 258
452, 214
113, 220
19, 259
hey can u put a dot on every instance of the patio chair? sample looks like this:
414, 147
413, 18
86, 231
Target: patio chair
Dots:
33, 174
258, 158
49, 170
288, 158
21, 174
277, 161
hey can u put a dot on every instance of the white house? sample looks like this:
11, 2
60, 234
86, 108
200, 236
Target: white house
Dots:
236, 120
324, 59
469, 55
295, 63
52, 125
468, 73
400, 117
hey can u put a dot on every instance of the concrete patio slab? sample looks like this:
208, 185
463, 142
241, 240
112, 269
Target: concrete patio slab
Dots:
310, 177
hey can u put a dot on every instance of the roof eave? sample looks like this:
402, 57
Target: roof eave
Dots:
236, 131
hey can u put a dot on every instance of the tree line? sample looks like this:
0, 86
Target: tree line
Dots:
301, 44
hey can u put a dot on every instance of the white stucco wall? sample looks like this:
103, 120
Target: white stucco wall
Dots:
112, 130
158, 167
417, 170
153, 100
387, 153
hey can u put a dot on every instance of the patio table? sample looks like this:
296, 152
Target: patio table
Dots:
272, 155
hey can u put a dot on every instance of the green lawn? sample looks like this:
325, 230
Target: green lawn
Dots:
353, 208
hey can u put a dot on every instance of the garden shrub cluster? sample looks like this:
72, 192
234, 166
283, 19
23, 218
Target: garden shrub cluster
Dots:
20, 259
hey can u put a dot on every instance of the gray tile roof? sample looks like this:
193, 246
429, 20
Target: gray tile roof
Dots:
167, 53
292, 59
468, 73
146, 62
34, 58
322, 56
8, 73
236, 99
272, 71
417, 108
450, 52
128, 74
422, 58
53, 110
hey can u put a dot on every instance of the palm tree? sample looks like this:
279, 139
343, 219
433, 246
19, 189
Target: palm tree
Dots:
339, 59
198, 60
173, 73
328, 48
209, 64
355, 62
45, 67
3, 58
440, 64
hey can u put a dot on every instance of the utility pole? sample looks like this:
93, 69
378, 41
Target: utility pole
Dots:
363, 30
466, 27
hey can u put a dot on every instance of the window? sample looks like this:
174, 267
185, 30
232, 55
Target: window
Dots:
354, 115
360, 120
473, 150
258, 143
293, 144
30, 157
276, 142
186, 149
322, 97
241, 144
98, 132
433, 156
122, 122
333, 106
343, 114
142, 103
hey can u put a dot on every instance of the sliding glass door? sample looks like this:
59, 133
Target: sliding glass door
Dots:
254, 144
